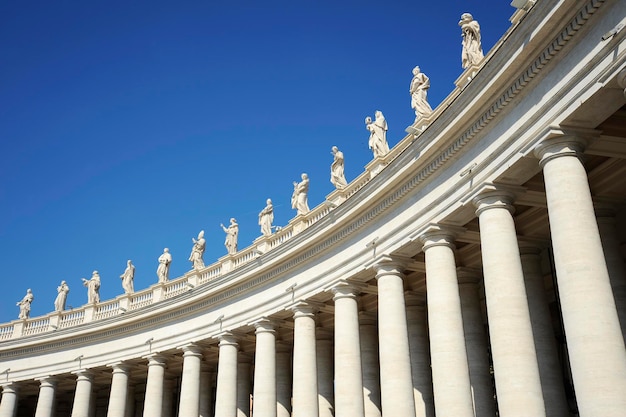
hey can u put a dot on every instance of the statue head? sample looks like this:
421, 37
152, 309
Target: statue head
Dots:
233, 220
335, 149
368, 120
465, 18
416, 70
201, 234
304, 176
269, 201
166, 250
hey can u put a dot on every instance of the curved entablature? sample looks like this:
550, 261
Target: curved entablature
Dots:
476, 157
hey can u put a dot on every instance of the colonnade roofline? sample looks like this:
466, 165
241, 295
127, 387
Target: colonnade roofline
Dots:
379, 214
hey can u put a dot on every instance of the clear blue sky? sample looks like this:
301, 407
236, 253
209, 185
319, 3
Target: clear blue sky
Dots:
129, 126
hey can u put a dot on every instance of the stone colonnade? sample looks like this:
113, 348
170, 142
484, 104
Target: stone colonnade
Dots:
420, 357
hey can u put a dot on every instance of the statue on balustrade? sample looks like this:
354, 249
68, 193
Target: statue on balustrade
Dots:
62, 291
25, 305
232, 232
93, 288
266, 217
418, 90
378, 134
128, 278
337, 177
197, 252
299, 199
472, 52
163, 270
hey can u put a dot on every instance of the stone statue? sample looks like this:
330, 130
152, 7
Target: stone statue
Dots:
128, 277
472, 49
378, 134
163, 270
198, 251
299, 199
232, 232
93, 288
59, 302
25, 305
266, 217
337, 177
418, 89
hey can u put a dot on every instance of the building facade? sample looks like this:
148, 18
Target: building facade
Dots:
475, 270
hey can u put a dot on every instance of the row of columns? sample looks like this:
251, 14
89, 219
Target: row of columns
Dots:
523, 350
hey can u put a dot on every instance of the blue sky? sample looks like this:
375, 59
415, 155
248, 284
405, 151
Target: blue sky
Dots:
129, 126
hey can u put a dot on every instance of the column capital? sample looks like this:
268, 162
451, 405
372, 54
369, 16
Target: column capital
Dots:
468, 275
83, 375
191, 349
345, 289
389, 265
47, 381
264, 325
439, 235
492, 196
9, 387
563, 141
304, 309
119, 367
527, 247
227, 338
155, 359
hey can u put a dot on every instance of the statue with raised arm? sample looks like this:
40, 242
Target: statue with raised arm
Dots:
378, 134
337, 177
197, 252
128, 277
25, 305
418, 90
266, 217
472, 52
299, 199
232, 232
93, 288
163, 270
59, 302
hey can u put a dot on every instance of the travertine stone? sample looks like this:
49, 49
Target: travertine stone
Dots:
299, 198
82, 395
168, 398
325, 378
226, 391
232, 236
265, 369
337, 176
207, 382
396, 385
45, 401
594, 338
266, 218
119, 390
378, 134
283, 381
128, 278
24, 305
370, 366
197, 251
419, 90
516, 372
417, 328
244, 388
476, 343
153, 403
545, 343
472, 53
189, 403
305, 396
348, 374
62, 290
163, 270
8, 404
451, 383
93, 288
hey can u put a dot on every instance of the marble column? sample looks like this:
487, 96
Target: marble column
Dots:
516, 372
396, 383
283, 381
305, 396
265, 369
189, 403
417, 328
226, 392
45, 402
545, 342
130, 402
244, 365
614, 261
451, 383
325, 378
348, 375
369, 361
153, 402
207, 380
8, 405
594, 337
476, 343
83, 394
119, 390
